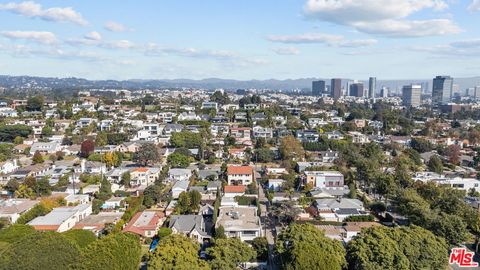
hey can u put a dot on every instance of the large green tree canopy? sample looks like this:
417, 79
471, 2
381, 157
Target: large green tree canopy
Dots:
176, 252
397, 248
302, 246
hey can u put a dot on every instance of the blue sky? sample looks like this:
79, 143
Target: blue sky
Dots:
248, 39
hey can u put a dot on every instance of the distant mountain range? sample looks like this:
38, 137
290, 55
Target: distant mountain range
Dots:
26, 82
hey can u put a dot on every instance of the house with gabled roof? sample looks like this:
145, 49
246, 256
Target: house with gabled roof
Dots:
192, 226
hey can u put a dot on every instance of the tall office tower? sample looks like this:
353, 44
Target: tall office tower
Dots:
477, 92
412, 95
384, 92
336, 88
372, 87
442, 90
357, 90
318, 87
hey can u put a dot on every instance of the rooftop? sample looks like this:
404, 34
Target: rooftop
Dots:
238, 218
239, 170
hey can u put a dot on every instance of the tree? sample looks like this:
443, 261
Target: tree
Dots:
302, 246
12, 185
105, 191
178, 160
37, 158
147, 154
101, 139
186, 139
18, 140
229, 253
453, 153
126, 177
195, 199
435, 164
220, 98
8, 133
47, 131
87, 148
110, 159
164, 232
24, 192
184, 203
115, 251
152, 195
15, 232
43, 187
450, 227
41, 250
421, 145
265, 155
397, 248
260, 245
290, 148
35, 103
82, 238
176, 252
220, 232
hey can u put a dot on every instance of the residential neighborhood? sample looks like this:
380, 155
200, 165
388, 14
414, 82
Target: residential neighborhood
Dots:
245, 166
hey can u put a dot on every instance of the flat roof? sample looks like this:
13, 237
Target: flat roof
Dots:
247, 218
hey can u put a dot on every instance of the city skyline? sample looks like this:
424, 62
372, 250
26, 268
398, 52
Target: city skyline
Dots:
248, 40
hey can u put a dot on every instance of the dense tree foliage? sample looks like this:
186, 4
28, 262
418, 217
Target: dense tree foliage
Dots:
8, 133
260, 245
178, 160
35, 103
302, 246
435, 164
147, 154
228, 253
41, 250
86, 148
115, 251
82, 238
186, 139
176, 252
397, 248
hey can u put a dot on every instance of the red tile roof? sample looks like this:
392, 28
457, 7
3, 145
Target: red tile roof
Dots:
46, 227
152, 224
234, 189
141, 170
239, 170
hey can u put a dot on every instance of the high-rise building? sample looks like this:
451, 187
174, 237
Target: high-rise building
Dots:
442, 90
372, 87
336, 88
357, 90
412, 95
318, 87
477, 92
384, 92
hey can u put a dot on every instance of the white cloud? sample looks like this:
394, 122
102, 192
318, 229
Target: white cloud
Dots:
93, 36
153, 49
405, 28
116, 27
330, 40
33, 10
306, 38
118, 44
286, 51
356, 43
474, 6
463, 48
382, 17
40, 37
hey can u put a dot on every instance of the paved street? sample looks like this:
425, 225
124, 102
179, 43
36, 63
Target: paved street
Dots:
269, 227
